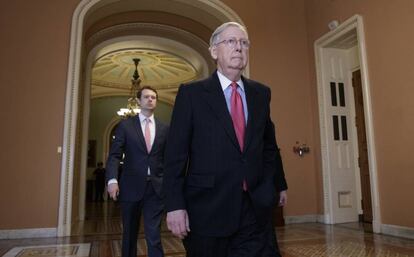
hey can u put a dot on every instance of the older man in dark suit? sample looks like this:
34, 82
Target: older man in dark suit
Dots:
222, 158
141, 139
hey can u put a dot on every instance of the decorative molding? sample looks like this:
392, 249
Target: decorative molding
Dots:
191, 48
70, 116
324, 219
28, 233
400, 231
303, 219
187, 59
369, 122
151, 28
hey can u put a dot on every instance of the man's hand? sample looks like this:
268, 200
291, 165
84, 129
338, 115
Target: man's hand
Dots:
177, 223
282, 198
113, 190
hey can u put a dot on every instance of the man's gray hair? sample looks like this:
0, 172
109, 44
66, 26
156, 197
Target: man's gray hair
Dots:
216, 34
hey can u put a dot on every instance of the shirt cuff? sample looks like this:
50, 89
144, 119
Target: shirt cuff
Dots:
112, 181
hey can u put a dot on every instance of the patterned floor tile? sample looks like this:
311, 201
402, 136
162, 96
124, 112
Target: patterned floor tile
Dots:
64, 250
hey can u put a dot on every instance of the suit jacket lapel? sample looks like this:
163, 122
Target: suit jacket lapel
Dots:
140, 134
252, 108
215, 98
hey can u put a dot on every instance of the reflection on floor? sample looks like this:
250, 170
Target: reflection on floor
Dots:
100, 236
314, 239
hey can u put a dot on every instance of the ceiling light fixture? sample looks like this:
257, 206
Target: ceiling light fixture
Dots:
133, 105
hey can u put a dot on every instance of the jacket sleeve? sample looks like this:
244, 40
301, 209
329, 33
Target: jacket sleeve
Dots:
273, 162
177, 151
279, 179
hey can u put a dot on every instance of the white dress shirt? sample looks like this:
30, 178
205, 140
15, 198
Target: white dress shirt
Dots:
225, 85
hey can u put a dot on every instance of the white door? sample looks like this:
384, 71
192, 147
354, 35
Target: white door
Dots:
340, 136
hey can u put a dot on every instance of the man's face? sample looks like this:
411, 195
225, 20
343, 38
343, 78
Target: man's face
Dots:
227, 57
148, 100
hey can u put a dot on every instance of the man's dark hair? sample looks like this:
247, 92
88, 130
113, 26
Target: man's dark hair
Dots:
139, 93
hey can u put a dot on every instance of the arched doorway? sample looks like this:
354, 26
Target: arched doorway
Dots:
90, 21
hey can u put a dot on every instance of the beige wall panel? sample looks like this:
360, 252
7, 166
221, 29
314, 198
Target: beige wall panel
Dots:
34, 54
389, 43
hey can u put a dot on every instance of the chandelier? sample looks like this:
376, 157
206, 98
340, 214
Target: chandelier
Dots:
132, 108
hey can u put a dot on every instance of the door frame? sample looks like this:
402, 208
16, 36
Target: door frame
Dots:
353, 23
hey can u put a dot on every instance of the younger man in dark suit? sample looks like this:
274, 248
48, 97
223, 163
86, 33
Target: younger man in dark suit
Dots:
141, 139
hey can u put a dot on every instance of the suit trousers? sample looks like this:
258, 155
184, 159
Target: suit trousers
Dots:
271, 248
151, 206
247, 241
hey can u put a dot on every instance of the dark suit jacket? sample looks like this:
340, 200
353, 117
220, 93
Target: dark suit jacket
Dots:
129, 139
204, 166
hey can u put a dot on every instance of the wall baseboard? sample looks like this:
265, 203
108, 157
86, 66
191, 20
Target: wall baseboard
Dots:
302, 219
386, 229
28, 233
399, 231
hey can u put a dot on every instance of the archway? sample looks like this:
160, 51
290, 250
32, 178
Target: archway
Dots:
87, 13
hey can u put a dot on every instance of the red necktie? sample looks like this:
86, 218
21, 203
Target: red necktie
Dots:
147, 134
237, 115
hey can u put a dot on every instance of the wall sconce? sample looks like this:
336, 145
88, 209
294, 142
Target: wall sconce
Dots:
300, 149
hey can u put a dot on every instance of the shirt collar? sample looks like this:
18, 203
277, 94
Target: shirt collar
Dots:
225, 82
143, 117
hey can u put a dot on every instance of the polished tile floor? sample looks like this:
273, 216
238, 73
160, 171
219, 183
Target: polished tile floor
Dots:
100, 236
